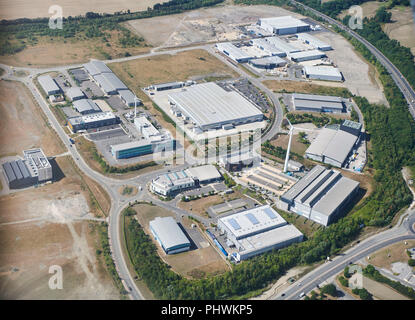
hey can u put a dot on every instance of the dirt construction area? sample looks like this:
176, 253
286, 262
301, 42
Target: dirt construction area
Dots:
22, 125
204, 25
40, 8
52, 225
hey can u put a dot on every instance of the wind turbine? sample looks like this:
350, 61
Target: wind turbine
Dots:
287, 156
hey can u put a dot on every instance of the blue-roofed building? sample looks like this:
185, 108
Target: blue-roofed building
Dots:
258, 230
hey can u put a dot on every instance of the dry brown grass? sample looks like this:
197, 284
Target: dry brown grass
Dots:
140, 73
58, 51
304, 87
296, 146
200, 206
23, 9
394, 253
22, 124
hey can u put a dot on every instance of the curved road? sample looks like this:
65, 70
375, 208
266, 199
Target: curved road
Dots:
396, 75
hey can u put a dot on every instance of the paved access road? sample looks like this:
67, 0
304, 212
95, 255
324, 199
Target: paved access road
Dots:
396, 75
404, 230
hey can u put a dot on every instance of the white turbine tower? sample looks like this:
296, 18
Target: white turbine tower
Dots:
287, 156
135, 107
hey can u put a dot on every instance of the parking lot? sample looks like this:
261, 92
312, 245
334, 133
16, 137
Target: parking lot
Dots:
116, 103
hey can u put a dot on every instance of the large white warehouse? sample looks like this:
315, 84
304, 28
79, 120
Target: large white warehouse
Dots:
169, 235
321, 195
334, 144
323, 73
283, 25
317, 103
209, 106
258, 230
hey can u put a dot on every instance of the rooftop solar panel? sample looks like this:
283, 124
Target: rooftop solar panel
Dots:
235, 225
252, 218
269, 213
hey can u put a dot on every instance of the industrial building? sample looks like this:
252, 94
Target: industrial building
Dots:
153, 141
86, 106
321, 195
91, 121
168, 86
169, 235
268, 62
283, 25
173, 182
209, 106
49, 86
95, 67
33, 169
328, 73
170, 183
314, 42
109, 83
75, 93
282, 45
267, 47
234, 52
129, 98
238, 162
317, 103
258, 230
306, 55
334, 143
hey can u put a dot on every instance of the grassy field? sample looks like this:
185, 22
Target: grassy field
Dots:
394, 253
140, 73
306, 226
296, 146
305, 87
402, 27
51, 51
369, 9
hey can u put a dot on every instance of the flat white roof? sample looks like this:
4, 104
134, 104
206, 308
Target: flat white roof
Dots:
209, 104
313, 41
283, 22
322, 70
233, 51
245, 223
204, 173
74, 92
282, 45
95, 67
307, 54
47, 83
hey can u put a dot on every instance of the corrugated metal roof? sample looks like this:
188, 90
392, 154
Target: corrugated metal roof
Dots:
86, 105
96, 67
168, 232
74, 92
209, 104
283, 22
313, 41
48, 84
128, 97
282, 45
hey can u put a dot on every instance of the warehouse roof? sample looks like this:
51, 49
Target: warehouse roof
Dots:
96, 67
297, 188
313, 41
204, 173
321, 142
322, 70
283, 22
266, 46
99, 116
352, 124
168, 232
316, 97
317, 102
256, 220
268, 60
269, 238
340, 145
218, 104
306, 54
74, 92
173, 178
15, 170
282, 45
110, 82
129, 97
85, 106
335, 196
233, 51
168, 85
48, 84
